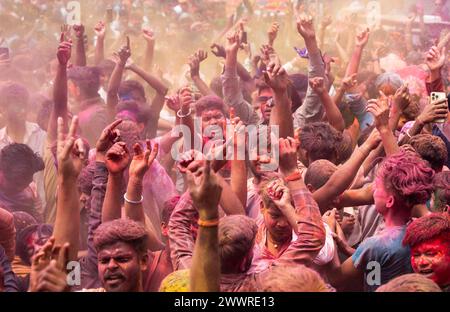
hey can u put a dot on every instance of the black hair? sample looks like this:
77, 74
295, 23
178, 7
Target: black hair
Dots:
18, 161
86, 78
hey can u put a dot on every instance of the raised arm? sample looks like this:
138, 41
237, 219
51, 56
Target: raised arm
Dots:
229, 201
272, 33
181, 104
380, 109
116, 161
205, 192
305, 218
112, 202
153, 81
194, 65
280, 195
342, 179
326, 21
116, 78
333, 113
408, 31
100, 32
141, 162
277, 79
361, 41
80, 52
347, 84
89, 265
401, 101
435, 60
358, 197
71, 158
186, 102
230, 83
311, 109
60, 89
432, 111
238, 166
374, 158
149, 37
158, 101
341, 51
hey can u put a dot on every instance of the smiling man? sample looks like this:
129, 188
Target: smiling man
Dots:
429, 240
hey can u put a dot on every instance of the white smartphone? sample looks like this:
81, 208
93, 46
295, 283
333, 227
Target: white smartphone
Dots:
439, 96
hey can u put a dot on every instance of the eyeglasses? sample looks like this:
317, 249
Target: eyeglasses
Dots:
268, 100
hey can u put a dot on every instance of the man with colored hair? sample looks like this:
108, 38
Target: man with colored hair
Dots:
429, 240
121, 247
403, 181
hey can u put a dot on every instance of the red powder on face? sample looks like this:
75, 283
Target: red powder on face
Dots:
431, 258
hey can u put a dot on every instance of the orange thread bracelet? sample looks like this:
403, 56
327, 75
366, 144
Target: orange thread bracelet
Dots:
293, 177
208, 223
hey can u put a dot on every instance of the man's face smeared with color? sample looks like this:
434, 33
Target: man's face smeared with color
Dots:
432, 259
211, 118
277, 224
120, 267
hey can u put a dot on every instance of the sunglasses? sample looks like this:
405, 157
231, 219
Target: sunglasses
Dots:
268, 100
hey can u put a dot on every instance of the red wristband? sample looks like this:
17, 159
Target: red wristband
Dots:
293, 177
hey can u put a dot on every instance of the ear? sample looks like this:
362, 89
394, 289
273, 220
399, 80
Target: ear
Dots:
246, 262
447, 209
141, 126
390, 201
310, 188
72, 88
144, 262
261, 206
302, 155
305, 155
336, 159
77, 91
164, 229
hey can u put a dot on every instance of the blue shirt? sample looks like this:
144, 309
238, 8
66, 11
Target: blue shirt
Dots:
383, 257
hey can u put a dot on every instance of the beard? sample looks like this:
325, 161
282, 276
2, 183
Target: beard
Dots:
118, 282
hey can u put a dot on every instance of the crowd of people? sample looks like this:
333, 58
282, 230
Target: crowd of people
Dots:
100, 190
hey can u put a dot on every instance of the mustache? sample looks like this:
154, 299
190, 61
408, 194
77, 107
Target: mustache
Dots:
109, 275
